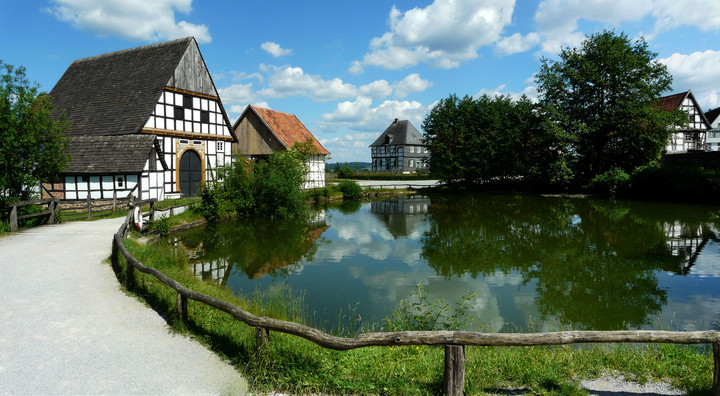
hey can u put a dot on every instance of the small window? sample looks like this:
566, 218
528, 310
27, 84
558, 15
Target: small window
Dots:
412, 149
120, 182
197, 142
205, 116
220, 147
187, 101
410, 163
425, 150
179, 113
184, 141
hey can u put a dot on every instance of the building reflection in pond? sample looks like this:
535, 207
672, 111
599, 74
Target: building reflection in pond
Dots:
401, 215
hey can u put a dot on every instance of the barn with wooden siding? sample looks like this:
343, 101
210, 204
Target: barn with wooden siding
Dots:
146, 122
690, 137
260, 132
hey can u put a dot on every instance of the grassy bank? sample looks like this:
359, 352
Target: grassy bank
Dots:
294, 365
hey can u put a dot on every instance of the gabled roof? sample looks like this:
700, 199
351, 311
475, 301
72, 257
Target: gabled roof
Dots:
115, 93
712, 115
287, 128
672, 102
400, 132
109, 154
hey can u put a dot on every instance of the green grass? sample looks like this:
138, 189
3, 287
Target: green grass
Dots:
294, 365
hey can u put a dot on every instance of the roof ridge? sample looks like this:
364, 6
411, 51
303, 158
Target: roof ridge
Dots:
274, 111
134, 49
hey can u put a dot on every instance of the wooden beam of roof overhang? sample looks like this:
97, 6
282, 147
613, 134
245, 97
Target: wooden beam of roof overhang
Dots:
186, 135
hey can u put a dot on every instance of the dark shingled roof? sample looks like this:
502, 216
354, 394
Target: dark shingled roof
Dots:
671, 102
109, 154
712, 115
115, 93
401, 132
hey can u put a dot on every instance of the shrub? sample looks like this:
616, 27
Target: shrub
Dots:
611, 182
346, 172
162, 226
213, 204
349, 189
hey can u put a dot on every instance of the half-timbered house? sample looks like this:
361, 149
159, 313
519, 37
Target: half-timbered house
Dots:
690, 137
146, 122
712, 142
400, 148
260, 132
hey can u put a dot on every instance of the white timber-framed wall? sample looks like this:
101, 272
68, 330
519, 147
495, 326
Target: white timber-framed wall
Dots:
190, 121
691, 136
315, 177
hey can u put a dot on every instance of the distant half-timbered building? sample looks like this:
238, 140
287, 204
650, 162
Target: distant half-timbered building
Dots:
712, 142
146, 122
400, 148
260, 132
690, 137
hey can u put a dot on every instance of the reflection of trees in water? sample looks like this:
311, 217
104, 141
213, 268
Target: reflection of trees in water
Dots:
593, 261
254, 246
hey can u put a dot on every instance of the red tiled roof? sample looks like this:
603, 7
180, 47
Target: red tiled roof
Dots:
288, 128
671, 102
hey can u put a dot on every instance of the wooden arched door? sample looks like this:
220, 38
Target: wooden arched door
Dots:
190, 173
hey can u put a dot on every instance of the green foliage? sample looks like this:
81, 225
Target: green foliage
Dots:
270, 188
161, 226
611, 182
346, 172
349, 189
480, 140
34, 144
418, 314
677, 183
602, 96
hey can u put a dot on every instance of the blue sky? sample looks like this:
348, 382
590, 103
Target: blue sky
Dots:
348, 68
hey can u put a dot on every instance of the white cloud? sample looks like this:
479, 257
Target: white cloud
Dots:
236, 97
356, 68
445, 34
274, 49
557, 20
411, 83
292, 81
130, 19
530, 92
517, 43
693, 71
377, 89
361, 116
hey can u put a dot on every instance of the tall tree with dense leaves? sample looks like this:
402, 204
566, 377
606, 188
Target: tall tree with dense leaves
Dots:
602, 95
34, 144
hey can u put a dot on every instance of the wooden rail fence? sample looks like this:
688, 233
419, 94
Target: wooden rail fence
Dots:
50, 212
453, 341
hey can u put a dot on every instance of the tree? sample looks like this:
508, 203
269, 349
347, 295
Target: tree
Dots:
478, 140
34, 144
602, 95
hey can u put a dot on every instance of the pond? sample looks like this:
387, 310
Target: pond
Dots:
530, 262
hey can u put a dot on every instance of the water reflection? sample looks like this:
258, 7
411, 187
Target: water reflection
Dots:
573, 263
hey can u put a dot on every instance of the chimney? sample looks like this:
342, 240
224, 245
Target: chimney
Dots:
396, 120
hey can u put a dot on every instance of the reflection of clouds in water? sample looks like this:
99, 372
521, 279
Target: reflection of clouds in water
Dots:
708, 263
699, 312
390, 287
357, 235
499, 279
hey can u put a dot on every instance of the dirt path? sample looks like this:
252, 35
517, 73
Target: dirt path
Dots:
67, 328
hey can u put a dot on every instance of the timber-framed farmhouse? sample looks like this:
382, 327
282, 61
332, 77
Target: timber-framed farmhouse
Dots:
400, 148
692, 136
146, 122
262, 131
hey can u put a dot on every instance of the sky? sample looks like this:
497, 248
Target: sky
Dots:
348, 68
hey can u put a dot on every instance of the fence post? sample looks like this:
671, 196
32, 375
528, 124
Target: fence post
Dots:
89, 206
13, 219
129, 275
182, 307
454, 379
716, 373
262, 338
114, 200
151, 218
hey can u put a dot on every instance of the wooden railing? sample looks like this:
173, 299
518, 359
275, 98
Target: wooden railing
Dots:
50, 212
453, 341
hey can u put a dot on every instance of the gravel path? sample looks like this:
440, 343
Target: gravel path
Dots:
67, 328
